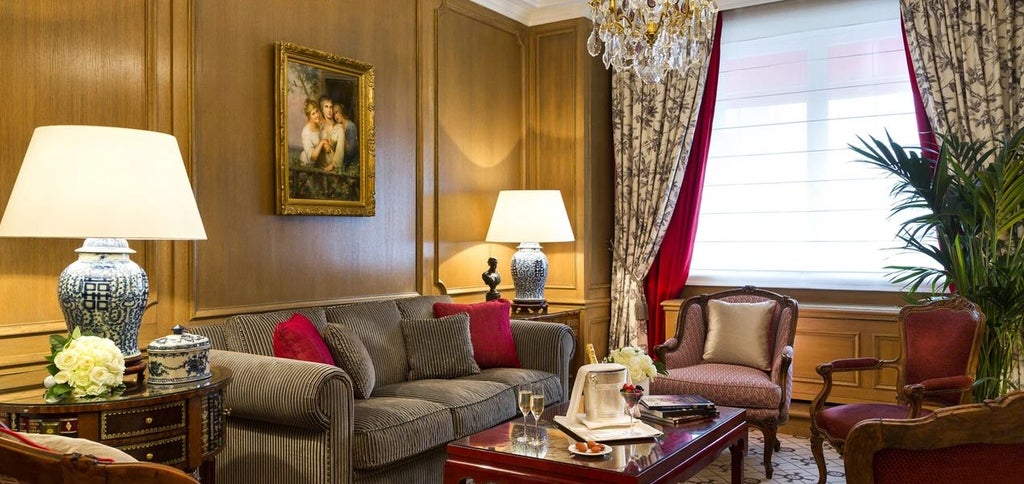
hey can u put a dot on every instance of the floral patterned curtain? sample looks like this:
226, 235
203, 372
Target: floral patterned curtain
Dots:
652, 128
968, 57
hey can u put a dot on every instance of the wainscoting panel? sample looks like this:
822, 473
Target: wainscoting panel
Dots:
480, 61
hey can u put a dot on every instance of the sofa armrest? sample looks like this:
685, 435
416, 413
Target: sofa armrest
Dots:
545, 346
287, 392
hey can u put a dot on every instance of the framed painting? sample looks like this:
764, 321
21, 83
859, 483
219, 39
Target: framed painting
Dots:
325, 133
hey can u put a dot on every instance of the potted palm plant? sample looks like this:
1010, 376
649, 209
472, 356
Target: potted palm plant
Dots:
965, 209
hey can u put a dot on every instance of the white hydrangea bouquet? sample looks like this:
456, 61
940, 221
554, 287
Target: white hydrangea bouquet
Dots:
82, 366
636, 360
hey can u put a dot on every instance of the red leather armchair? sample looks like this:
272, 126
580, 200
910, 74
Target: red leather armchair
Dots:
939, 357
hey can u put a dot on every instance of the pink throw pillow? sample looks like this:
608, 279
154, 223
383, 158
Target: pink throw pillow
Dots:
490, 331
298, 339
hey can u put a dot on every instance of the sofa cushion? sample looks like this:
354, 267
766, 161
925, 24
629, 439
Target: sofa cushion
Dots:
439, 348
298, 339
254, 333
728, 385
420, 307
215, 332
379, 326
387, 430
514, 377
490, 330
350, 355
474, 405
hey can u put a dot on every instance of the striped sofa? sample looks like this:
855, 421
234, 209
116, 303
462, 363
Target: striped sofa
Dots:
299, 422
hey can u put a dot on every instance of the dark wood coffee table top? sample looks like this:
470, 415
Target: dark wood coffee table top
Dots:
683, 451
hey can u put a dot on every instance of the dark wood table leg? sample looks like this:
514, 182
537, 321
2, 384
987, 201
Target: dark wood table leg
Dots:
207, 471
736, 452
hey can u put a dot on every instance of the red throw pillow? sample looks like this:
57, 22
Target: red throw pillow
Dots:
298, 339
489, 330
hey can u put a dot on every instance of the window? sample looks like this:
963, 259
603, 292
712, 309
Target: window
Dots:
784, 203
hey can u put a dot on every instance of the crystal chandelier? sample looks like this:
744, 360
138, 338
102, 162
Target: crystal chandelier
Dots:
651, 37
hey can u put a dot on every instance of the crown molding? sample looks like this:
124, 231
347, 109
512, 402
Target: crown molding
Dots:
537, 12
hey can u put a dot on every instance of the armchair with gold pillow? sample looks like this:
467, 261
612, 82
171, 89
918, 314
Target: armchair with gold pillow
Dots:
735, 348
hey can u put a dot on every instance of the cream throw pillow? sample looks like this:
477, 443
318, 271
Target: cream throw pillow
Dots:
738, 333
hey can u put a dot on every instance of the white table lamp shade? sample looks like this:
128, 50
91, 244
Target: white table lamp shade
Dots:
103, 182
529, 217
105, 185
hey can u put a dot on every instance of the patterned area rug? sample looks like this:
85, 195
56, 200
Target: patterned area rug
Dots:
793, 464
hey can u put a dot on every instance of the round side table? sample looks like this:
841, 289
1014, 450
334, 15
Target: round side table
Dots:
178, 425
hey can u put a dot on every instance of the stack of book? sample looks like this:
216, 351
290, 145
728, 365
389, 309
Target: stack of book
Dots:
676, 409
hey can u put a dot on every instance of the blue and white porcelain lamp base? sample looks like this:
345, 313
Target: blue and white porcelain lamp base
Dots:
529, 275
104, 294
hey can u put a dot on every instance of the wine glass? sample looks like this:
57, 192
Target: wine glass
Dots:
525, 401
537, 407
631, 398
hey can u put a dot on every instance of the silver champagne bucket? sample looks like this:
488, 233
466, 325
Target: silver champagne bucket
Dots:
601, 400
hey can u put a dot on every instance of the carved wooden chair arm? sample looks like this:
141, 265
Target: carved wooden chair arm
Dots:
844, 365
914, 395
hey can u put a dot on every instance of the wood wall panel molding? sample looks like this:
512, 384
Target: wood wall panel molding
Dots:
886, 346
821, 347
556, 142
479, 69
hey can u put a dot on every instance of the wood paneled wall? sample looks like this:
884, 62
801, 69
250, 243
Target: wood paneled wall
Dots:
103, 62
570, 149
479, 62
254, 259
460, 104
204, 72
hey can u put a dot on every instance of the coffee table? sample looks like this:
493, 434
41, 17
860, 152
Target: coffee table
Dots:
684, 450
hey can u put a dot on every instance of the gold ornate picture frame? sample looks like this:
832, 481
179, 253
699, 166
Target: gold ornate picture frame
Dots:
324, 167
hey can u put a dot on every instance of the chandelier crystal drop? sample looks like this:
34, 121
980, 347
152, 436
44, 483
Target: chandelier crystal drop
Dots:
651, 37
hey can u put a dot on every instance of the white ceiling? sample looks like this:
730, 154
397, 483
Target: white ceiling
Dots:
536, 12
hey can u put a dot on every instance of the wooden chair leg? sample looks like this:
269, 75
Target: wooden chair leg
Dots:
819, 456
771, 443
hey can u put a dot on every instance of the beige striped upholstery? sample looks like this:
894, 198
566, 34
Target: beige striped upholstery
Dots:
439, 347
298, 422
349, 354
474, 405
379, 326
254, 333
215, 332
391, 429
420, 307
514, 377
423, 468
291, 421
545, 346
